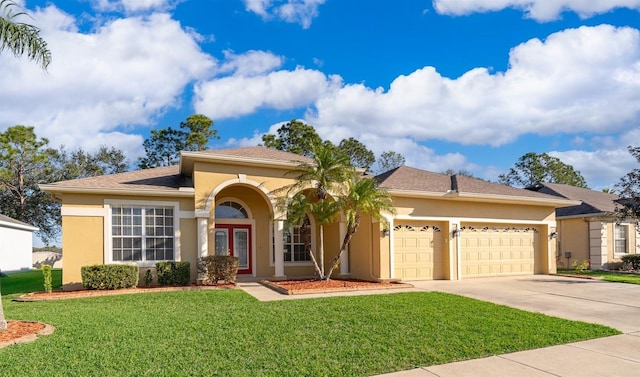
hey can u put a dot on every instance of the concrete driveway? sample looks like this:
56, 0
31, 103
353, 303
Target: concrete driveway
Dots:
611, 304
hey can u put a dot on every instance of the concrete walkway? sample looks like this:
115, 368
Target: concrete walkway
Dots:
611, 304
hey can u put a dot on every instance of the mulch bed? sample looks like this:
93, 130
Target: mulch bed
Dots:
307, 286
23, 331
63, 295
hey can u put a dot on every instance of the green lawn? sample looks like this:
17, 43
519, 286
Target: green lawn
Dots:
28, 281
229, 333
608, 276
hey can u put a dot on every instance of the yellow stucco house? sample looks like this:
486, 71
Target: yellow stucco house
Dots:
591, 230
221, 201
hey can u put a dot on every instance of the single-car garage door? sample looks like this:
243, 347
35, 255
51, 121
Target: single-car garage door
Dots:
494, 250
418, 251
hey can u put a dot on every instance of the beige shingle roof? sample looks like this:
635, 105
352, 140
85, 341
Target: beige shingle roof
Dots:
164, 178
256, 152
411, 179
593, 202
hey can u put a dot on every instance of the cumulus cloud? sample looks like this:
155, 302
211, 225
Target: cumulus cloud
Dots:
250, 63
292, 11
133, 6
126, 72
539, 10
577, 80
234, 96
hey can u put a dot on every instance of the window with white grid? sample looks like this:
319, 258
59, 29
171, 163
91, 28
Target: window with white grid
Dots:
142, 233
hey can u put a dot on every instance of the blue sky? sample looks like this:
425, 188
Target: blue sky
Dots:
457, 84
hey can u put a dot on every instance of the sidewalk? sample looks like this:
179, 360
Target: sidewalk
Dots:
611, 304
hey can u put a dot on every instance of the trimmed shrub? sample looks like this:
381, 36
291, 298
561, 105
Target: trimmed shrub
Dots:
173, 273
219, 267
109, 276
46, 276
631, 262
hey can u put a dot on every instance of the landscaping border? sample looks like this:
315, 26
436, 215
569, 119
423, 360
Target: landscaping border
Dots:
380, 286
46, 330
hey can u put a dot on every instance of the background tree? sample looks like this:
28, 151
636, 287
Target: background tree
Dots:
389, 160
359, 155
80, 164
295, 137
24, 162
532, 168
462, 172
163, 147
628, 188
21, 38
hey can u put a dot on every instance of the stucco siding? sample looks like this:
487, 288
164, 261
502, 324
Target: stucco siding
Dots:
82, 245
574, 238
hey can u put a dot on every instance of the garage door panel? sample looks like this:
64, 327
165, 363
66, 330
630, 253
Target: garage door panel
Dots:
498, 250
418, 252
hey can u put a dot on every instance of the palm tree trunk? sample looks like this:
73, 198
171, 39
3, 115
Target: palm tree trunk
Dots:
322, 276
345, 243
3, 322
315, 263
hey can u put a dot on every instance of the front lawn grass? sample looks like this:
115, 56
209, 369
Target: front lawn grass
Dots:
615, 277
229, 333
28, 281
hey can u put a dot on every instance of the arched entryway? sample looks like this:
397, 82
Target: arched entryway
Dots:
233, 233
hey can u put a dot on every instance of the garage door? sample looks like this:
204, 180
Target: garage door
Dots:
418, 251
494, 250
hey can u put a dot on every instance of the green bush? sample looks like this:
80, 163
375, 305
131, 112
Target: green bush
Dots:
46, 276
173, 273
219, 267
109, 276
580, 266
631, 261
148, 277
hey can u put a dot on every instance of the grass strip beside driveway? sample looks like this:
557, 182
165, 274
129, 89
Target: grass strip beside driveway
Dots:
229, 333
615, 277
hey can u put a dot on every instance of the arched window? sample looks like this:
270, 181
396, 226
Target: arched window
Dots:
230, 210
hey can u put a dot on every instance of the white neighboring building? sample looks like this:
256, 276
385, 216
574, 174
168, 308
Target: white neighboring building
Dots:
16, 244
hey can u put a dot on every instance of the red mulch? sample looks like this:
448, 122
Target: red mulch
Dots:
333, 285
18, 329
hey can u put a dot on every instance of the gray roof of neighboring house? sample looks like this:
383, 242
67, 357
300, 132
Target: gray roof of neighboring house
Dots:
13, 222
593, 202
411, 179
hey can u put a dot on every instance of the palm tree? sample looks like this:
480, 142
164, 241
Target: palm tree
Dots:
363, 196
325, 173
21, 38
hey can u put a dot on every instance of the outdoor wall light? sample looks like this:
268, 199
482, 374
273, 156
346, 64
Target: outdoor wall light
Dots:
455, 233
553, 235
385, 232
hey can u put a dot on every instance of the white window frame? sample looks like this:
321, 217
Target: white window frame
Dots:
294, 263
616, 253
108, 229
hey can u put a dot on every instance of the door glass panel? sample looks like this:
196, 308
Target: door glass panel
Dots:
241, 247
222, 242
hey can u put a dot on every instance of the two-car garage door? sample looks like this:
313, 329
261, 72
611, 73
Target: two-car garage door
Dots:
420, 250
494, 250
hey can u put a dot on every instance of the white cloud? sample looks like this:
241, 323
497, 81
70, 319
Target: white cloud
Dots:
240, 95
127, 72
250, 63
133, 6
539, 10
577, 80
292, 11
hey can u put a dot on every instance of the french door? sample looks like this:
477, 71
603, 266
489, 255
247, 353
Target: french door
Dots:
235, 239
